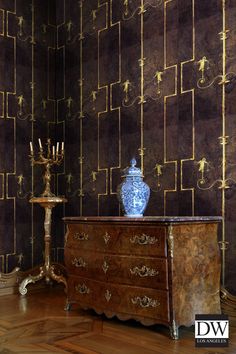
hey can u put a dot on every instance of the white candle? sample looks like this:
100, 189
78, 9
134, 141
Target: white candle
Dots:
40, 144
31, 148
53, 152
62, 147
57, 148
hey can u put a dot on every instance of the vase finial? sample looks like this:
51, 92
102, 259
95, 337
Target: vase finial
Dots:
133, 162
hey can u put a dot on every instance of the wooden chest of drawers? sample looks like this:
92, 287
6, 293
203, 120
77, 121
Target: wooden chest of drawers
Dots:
152, 269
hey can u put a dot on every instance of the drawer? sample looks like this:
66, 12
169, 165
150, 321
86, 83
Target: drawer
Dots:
140, 271
91, 237
109, 297
85, 263
133, 240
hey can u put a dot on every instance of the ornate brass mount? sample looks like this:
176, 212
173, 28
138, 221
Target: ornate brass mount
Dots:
52, 156
106, 238
105, 267
171, 241
144, 271
81, 236
174, 330
144, 239
107, 295
47, 271
79, 262
145, 301
82, 289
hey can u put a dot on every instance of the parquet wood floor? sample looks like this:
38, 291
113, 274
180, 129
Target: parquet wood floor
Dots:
37, 323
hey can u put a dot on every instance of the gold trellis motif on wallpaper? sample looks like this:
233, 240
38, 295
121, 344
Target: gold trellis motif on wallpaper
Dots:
104, 111
47, 101
141, 99
2, 98
7, 176
2, 174
166, 99
129, 12
224, 182
57, 121
108, 89
127, 85
81, 108
190, 92
128, 88
157, 79
25, 110
116, 108
21, 34
74, 35
203, 165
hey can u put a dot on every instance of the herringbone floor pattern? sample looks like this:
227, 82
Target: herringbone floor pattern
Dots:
37, 323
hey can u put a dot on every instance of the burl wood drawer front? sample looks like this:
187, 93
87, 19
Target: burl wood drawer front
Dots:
133, 270
119, 298
148, 240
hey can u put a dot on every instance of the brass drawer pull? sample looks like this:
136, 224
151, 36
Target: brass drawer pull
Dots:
82, 289
105, 266
144, 271
144, 239
107, 295
145, 301
106, 238
82, 236
79, 263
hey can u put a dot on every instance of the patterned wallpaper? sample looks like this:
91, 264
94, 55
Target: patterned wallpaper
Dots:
154, 79
28, 111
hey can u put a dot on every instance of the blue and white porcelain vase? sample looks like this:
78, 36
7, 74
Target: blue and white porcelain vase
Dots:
133, 193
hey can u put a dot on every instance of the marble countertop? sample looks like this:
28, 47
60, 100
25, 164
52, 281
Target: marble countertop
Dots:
161, 219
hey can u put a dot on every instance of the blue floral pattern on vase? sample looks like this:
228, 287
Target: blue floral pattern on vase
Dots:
133, 193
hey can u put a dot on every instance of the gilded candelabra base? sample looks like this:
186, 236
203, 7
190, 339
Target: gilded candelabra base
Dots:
47, 271
44, 273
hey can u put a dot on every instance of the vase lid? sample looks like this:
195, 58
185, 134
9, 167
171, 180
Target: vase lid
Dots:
132, 171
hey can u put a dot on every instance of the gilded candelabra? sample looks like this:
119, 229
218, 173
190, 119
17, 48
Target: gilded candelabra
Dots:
52, 156
47, 200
